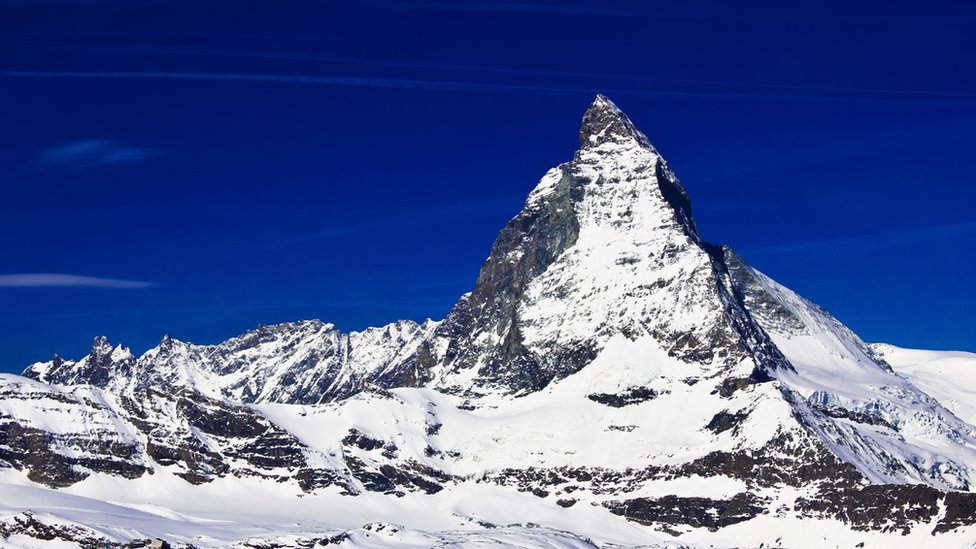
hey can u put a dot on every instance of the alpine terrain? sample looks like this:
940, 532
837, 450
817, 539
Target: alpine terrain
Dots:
612, 380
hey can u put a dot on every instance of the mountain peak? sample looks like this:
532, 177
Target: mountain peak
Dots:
604, 122
101, 346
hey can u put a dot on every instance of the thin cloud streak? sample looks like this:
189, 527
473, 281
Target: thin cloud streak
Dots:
856, 245
444, 85
60, 280
94, 153
169, 50
516, 7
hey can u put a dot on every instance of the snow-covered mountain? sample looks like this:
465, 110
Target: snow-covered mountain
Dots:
611, 380
300, 362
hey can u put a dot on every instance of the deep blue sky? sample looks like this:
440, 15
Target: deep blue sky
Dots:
353, 161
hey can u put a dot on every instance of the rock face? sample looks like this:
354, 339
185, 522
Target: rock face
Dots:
607, 359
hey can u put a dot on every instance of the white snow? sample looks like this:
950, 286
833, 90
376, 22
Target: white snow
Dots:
949, 376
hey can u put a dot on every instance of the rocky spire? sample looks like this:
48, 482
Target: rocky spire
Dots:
604, 122
101, 347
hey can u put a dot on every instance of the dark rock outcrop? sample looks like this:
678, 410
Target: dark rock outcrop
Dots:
697, 512
634, 395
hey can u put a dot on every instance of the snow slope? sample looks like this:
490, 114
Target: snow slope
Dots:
887, 426
949, 376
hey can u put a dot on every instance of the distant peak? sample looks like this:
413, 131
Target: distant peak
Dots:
604, 122
102, 350
101, 345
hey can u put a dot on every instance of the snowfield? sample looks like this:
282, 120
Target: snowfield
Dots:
949, 376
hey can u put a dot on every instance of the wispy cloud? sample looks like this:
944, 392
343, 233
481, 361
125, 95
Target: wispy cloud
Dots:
94, 153
82, 3
856, 245
448, 85
58, 280
309, 79
705, 86
532, 7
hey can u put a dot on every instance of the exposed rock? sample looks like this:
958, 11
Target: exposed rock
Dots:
782, 461
362, 441
634, 395
723, 421
28, 525
889, 507
372, 480
698, 512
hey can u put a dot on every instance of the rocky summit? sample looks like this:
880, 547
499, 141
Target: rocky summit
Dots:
612, 380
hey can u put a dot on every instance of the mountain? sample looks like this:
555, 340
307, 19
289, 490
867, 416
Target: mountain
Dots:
611, 380
300, 362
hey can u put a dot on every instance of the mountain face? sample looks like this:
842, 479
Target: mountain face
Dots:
611, 379
605, 246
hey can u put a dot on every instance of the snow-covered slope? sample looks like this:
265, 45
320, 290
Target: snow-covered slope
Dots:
59, 436
611, 375
949, 376
871, 417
